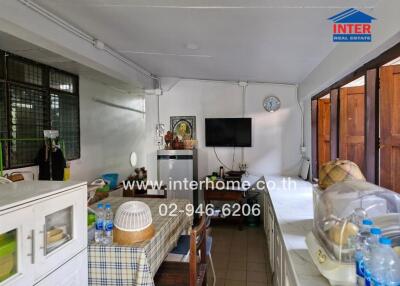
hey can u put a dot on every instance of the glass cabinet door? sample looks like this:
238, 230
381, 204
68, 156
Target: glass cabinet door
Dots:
8, 254
17, 253
59, 228
61, 224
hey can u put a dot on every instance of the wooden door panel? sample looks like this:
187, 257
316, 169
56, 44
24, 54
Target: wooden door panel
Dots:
396, 166
355, 153
351, 125
389, 98
324, 135
355, 113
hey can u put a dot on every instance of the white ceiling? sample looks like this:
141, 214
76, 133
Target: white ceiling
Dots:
257, 40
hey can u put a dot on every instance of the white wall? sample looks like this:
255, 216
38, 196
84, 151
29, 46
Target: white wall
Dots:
347, 57
276, 136
108, 134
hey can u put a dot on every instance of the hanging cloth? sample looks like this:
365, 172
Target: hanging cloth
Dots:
58, 163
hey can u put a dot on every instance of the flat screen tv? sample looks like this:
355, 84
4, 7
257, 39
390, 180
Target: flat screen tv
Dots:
228, 132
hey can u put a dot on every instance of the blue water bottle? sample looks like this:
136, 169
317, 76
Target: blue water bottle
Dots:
371, 243
363, 234
385, 265
98, 234
108, 226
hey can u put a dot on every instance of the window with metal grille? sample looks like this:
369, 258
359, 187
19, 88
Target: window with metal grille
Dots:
28, 118
24, 71
2, 74
33, 98
62, 81
3, 117
65, 117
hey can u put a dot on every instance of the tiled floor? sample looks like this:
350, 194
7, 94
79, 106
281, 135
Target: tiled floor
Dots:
239, 257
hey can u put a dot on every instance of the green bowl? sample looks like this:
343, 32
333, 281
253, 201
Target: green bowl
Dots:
91, 219
104, 189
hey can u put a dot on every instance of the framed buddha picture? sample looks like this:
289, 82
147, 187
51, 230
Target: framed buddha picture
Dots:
183, 126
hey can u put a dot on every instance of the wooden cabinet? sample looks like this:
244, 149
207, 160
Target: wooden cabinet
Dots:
280, 266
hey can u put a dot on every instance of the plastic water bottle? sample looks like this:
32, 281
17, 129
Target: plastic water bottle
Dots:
108, 226
363, 234
98, 234
371, 243
386, 265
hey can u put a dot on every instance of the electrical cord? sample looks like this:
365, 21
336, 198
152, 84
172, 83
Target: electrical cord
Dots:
216, 155
233, 159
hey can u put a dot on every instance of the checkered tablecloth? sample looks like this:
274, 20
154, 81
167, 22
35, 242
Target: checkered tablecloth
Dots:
137, 264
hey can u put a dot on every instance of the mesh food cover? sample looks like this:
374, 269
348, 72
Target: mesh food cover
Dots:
133, 223
340, 209
338, 171
133, 216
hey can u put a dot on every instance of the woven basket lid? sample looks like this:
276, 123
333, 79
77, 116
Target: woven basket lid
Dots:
338, 171
133, 216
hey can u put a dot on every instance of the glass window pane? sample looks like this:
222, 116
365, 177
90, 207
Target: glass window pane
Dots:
3, 122
62, 81
28, 113
2, 73
8, 255
26, 72
65, 118
3, 116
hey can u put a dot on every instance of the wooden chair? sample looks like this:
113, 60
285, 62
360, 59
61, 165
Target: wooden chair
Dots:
192, 273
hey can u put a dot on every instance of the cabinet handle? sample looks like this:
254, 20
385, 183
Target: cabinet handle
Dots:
44, 239
32, 238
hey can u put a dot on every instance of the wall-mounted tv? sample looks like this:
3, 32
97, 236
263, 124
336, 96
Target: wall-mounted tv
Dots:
228, 132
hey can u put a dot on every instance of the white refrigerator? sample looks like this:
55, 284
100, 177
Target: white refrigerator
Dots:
175, 167
43, 233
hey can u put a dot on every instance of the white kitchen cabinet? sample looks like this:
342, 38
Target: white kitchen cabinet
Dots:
17, 244
66, 212
278, 261
280, 266
29, 212
74, 272
269, 225
265, 213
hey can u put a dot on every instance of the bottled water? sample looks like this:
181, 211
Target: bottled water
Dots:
108, 226
371, 243
386, 265
363, 234
98, 234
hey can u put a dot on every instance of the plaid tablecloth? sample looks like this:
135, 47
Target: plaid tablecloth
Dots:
137, 264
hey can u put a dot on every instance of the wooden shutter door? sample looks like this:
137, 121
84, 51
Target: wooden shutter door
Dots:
389, 99
351, 125
324, 133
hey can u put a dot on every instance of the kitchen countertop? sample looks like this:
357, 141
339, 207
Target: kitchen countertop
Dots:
293, 208
18, 193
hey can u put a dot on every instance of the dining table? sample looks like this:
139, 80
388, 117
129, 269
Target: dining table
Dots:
136, 264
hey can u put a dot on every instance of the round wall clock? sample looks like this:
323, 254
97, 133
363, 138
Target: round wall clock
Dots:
271, 103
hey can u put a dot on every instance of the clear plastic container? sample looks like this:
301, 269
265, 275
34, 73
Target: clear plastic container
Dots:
339, 209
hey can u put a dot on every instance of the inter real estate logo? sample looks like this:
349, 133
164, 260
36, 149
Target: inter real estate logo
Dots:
352, 26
